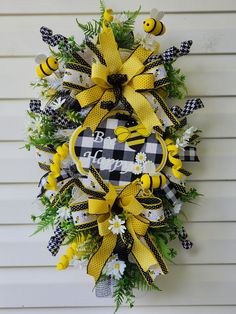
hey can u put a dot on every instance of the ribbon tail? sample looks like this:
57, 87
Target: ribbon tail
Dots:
142, 108
98, 260
97, 114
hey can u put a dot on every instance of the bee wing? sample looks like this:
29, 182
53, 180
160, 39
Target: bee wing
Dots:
160, 15
122, 133
153, 13
143, 131
40, 58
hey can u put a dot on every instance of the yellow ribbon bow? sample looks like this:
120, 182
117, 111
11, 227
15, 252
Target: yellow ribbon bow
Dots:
137, 226
130, 80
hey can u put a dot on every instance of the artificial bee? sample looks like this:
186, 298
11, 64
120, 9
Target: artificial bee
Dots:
153, 25
153, 182
133, 133
46, 66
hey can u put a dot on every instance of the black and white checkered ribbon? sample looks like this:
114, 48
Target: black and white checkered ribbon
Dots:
182, 235
50, 39
64, 175
173, 53
190, 106
56, 240
57, 117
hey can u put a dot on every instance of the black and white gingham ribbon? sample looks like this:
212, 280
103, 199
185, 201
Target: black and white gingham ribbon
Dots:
170, 192
50, 39
56, 240
173, 53
189, 153
57, 117
190, 106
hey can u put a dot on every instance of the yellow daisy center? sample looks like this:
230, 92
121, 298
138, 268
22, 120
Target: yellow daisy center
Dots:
117, 224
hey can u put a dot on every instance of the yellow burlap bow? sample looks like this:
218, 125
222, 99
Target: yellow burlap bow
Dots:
136, 81
136, 225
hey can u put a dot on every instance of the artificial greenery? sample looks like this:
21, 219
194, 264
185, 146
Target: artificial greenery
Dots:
176, 87
132, 279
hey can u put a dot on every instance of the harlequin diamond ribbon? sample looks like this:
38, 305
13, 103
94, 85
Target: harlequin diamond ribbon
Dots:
142, 213
116, 81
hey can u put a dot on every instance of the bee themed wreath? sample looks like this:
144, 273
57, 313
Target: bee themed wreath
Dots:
113, 147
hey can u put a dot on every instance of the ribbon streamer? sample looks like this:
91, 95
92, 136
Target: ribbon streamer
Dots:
190, 106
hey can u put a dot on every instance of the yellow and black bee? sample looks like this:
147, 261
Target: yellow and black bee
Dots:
133, 133
153, 25
153, 181
46, 66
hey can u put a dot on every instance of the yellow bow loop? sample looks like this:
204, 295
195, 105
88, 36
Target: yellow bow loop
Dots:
99, 75
90, 96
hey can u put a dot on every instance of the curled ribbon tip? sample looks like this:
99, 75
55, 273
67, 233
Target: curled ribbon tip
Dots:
107, 18
62, 152
176, 162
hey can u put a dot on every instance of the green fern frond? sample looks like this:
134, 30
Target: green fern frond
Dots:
74, 116
90, 29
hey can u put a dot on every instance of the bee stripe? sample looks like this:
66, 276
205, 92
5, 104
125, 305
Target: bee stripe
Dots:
45, 73
155, 24
136, 142
162, 26
49, 65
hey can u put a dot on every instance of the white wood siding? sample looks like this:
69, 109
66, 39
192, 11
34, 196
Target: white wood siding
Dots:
203, 280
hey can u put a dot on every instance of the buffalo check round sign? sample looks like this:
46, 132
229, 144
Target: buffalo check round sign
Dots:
119, 149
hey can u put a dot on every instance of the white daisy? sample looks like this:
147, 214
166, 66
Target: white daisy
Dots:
58, 103
63, 213
181, 142
137, 168
114, 267
117, 225
141, 157
149, 167
147, 42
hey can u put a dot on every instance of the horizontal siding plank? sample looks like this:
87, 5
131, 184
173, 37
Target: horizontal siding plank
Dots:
200, 28
211, 245
184, 285
213, 70
18, 202
124, 310
217, 162
216, 120
61, 6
